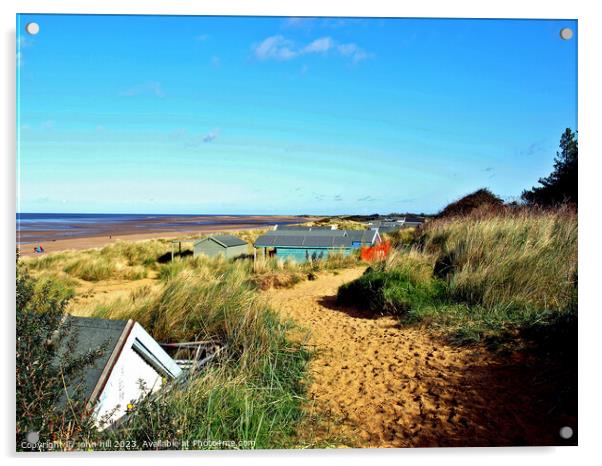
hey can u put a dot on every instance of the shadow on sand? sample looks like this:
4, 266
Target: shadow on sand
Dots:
494, 399
330, 302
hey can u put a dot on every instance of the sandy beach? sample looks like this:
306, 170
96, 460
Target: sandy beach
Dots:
54, 243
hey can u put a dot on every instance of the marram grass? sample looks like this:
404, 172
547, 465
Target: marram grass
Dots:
525, 259
253, 397
481, 277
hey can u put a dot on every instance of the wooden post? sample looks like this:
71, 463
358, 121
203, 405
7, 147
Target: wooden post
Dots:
172, 251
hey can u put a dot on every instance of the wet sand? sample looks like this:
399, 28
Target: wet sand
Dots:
54, 243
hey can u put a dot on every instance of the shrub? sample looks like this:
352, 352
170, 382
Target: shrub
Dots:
482, 198
394, 287
48, 374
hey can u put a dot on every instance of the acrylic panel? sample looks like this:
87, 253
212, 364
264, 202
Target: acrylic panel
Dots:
331, 232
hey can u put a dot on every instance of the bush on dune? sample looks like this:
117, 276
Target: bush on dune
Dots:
481, 199
386, 292
393, 286
50, 262
91, 270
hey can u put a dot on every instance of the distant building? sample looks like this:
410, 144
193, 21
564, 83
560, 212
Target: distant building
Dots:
227, 245
304, 228
131, 356
410, 221
388, 225
301, 246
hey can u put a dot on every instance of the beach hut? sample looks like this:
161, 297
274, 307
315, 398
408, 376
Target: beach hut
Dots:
302, 246
412, 221
130, 356
227, 245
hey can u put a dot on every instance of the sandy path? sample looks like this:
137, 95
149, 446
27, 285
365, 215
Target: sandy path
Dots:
382, 385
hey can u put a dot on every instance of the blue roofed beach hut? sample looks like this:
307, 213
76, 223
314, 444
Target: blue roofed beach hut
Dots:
302, 246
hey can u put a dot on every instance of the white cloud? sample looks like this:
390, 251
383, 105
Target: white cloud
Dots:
275, 47
279, 48
322, 45
353, 51
202, 37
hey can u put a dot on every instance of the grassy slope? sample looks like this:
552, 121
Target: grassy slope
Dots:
479, 277
253, 395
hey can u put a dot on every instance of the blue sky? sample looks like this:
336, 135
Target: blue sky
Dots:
143, 114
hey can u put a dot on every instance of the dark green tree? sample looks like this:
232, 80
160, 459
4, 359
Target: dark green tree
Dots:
561, 185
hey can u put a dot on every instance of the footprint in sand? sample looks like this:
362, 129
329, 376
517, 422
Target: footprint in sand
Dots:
369, 377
